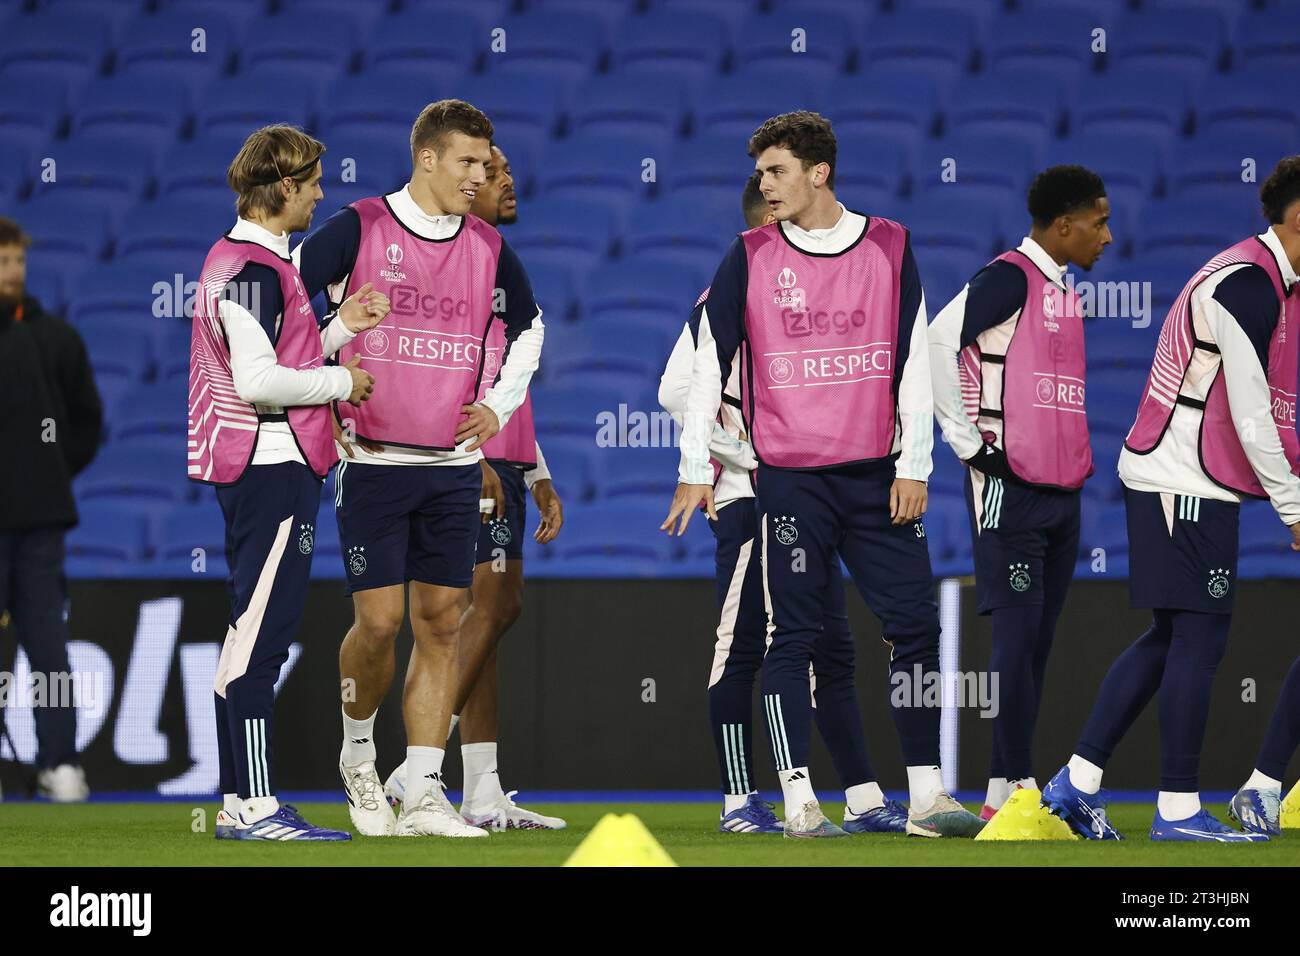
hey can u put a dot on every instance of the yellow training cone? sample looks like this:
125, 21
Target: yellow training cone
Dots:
619, 840
1023, 818
1291, 809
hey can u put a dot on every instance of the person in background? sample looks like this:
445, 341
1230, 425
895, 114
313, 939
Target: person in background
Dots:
50, 425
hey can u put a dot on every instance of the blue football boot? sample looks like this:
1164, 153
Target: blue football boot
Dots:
891, 818
1084, 812
1257, 811
1200, 828
756, 816
285, 824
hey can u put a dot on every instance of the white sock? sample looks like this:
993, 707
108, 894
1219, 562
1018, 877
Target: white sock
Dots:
924, 784
358, 740
1178, 806
1262, 781
796, 788
258, 808
1028, 783
423, 772
731, 802
861, 797
997, 793
230, 803
482, 782
451, 726
1085, 775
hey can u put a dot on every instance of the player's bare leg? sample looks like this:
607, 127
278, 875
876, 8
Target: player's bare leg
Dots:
366, 665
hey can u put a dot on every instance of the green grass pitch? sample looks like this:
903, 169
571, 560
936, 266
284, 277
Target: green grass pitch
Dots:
161, 834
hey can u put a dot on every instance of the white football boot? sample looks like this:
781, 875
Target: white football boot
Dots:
370, 814
505, 814
395, 787
434, 815
64, 784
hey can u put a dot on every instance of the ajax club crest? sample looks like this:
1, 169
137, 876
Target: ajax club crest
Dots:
357, 561
1019, 577
786, 532
499, 529
305, 540
1218, 586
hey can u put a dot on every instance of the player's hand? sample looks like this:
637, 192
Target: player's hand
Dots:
343, 439
1295, 536
492, 489
363, 383
907, 500
548, 503
685, 500
364, 309
480, 424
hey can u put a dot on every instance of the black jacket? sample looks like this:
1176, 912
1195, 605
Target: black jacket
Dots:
45, 377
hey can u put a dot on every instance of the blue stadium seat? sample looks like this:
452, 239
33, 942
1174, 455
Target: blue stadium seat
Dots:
997, 167
569, 462
1265, 41
114, 355
629, 103
375, 164
417, 38
597, 166
553, 284
183, 529
240, 104
938, 42
16, 164
904, 104
943, 222
133, 107
1131, 175
1125, 101
1265, 548
825, 44
123, 474
158, 409
1016, 102
1236, 104
382, 103
738, 102
870, 165
707, 165
733, 12
81, 173
64, 224
41, 44
550, 41
1214, 165
550, 227
47, 289
125, 288
173, 226
1115, 344
1195, 225
613, 540
943, 274
664, 42
638, 472
641, 284
1058, 40
696, 233
166, 41
1189, 44
571, 409
522, 101
639, 357
196, 169
302, 44
32, 106
107, 540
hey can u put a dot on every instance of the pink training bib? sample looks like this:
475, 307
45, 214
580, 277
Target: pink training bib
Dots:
821, 337
222, 426
427, 354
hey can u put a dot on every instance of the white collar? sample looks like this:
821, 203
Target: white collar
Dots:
1270, 239
1039, 257
409, 213
832, 239
246, 230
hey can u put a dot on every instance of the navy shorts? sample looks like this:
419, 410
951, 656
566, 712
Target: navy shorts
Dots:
400, 523
1182, 552
1026, 540
505, 535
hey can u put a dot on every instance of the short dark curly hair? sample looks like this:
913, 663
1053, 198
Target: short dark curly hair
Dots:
751, 200
1058, 190
1281, 189
807, 135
